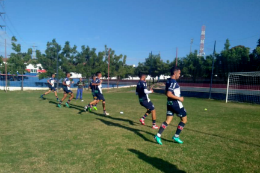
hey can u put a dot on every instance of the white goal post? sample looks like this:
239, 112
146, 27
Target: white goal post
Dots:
243, 87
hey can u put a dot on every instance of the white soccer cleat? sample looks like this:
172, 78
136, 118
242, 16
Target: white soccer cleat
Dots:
105, 113
86, 108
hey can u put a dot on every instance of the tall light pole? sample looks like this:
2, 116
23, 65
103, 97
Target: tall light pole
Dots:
57, 72
212, 71
108, 68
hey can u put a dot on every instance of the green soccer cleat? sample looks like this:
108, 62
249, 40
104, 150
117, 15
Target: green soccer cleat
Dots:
89, 109
95, 108
177, 140
158, 139
67, 105
59, 105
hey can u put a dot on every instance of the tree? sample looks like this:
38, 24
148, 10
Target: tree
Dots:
49, 60
193, 65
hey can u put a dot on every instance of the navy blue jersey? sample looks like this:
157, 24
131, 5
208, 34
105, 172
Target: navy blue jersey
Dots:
51, 80
98, 87
173, 86
140, 90
67, 81
92, 86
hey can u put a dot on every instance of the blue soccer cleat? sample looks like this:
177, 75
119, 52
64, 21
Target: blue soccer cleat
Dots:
158, 139
177, 140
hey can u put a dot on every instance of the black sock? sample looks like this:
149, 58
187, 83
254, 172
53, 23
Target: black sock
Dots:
163, 126
145, 115
179, 129
60, 102
154, 122
68, 101
43, 95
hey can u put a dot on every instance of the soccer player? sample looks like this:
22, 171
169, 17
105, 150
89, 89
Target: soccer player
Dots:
174, 106
98, 94
80, 85
51, 87
66, 88
92, 87
142, 92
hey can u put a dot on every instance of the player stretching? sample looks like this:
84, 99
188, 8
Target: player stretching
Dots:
66, 89
51, 87
174, 105
98, 94
92, 87
142, 92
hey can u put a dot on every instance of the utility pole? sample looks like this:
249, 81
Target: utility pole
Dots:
108, 68
212, 69
57, 72
5, 69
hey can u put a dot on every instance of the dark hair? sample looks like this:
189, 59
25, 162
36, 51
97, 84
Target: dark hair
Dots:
141, 74
173, 69
94, 76
98, 73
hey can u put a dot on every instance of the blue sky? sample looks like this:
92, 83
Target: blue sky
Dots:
132, 27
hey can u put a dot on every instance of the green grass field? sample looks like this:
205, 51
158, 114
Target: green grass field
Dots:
37, 136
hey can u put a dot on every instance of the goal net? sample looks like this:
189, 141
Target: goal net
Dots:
243, 87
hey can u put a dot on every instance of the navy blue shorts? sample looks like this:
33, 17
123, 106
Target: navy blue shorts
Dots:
175, 109
99, 96
52, 88
67, 91
148, 105
94, 96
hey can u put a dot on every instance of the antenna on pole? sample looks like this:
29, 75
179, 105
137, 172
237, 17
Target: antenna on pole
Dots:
202, 40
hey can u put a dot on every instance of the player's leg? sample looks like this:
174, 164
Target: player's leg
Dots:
55, 93
90, 105
81, 93
101, 97
183, 117
150, 109
154, 119
46, 93
104, 108
63, 98
95, 105
145, 115
71, 97
169, 117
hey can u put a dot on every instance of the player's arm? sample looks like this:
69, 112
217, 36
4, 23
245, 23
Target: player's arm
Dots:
64, 83
95, 84
146, 91
170, 95
48, 81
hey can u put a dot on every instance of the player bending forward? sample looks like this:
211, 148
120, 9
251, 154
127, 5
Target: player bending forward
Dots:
174, 105
66, 88
51, 87
98, 94
142, 92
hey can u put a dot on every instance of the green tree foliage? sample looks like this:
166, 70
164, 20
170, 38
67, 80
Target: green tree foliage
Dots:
88, 61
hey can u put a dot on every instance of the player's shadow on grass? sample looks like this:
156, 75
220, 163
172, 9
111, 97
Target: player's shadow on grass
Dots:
80, 108
117, 119
158, 163
205, 133
136, 131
